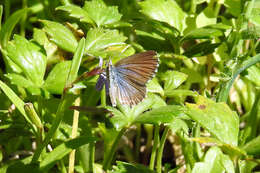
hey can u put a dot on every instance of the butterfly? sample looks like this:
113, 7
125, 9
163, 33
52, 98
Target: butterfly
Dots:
125, 81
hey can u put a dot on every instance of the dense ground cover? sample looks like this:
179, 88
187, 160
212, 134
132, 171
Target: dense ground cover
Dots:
201, 113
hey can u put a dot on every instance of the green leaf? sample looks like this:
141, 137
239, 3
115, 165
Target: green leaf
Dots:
56, 79
76, 61
100, 13
60, 35
224, 91
202, 33
231, 150
178, 124
164, 114
217, 118
9, 25
214, 162
62, 150
201, 49
166, 11
154, 87
233, 7
250, 130
40, 36
99, 39
246, 166
151, 101
76, 12
128, 167
253, 146
180, 92
19, 80
173, 79
125, 116
29, 58
51, 48
253, 74
15, 100
254, 17
205, 18
119, 120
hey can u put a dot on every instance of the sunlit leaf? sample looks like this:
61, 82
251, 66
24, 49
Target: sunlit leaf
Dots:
7, 28
215, 161
19, 80
178, 124
99, 39
217, 118
60, 35
56, 79
166, 11
154, 87
77, 12
165, 114
252, 147
253, 75
100, 13
173, 79
29, 57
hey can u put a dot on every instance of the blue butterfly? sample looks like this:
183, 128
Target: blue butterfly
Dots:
125, 82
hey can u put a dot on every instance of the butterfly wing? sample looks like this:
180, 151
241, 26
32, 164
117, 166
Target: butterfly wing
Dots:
138, 68
129, 77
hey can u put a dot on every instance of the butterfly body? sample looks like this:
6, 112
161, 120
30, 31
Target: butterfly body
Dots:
126, 80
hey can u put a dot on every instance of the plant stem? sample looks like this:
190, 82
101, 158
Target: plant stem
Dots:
193, 7
160, 150
7, 8
87, 153
107, 161
62, 166
155, 145
103, 97
224, 92
1, 15
74, 135
54, 127
23, 19
137, 142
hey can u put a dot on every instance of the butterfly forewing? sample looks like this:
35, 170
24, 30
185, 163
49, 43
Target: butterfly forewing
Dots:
129, 77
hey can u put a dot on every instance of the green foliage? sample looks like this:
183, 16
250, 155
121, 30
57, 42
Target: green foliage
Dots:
203, 102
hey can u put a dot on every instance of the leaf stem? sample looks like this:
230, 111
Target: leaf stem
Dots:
54, 127
155, 146
160, 150
137, 142
224, 91
107, 161
87, 154
23, 19
65, 99
74, 135
103, 97
7, 5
